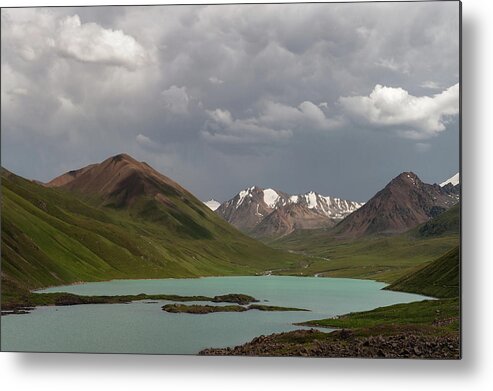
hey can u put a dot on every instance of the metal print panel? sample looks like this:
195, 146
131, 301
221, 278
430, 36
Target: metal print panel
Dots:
259, 180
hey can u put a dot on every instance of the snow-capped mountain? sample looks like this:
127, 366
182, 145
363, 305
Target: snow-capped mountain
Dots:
269, 212
212, 204
452, 186
454, 180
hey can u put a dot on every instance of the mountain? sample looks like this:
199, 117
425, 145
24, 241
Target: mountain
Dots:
118, 219
268, 212
249, 207
440, 278
403, 204
120, 181
212, 204
454, 180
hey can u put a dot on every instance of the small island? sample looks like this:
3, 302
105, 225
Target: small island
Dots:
25, 304
208, 309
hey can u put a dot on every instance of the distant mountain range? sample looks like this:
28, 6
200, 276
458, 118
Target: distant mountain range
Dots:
268, 212
403, 204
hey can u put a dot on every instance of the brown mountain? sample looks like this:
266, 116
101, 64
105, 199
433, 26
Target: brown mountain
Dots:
250, 206
120, 181
289, 218
64, 179
403, 204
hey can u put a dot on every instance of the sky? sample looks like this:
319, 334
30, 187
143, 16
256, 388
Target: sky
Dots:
334, 98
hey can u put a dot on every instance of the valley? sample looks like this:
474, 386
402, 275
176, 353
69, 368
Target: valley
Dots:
121, 220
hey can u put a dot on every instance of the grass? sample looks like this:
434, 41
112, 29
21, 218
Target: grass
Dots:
261, 307
433, 315
51, 237
208, 309
446, 223
440, 278
381, 258
29, 299
202, 309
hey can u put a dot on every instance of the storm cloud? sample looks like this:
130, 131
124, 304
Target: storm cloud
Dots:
336, 98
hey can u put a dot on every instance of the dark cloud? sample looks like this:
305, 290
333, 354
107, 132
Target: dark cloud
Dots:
223, 97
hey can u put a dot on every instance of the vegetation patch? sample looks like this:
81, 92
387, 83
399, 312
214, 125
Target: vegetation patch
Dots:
25, 302
435, 315
207, 309
440, 278
234, 298
202, 309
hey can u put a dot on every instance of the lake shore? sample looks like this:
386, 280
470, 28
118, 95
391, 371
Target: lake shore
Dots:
290, 295
428, 329
401, 343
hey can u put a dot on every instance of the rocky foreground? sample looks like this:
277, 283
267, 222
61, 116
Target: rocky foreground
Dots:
345, 343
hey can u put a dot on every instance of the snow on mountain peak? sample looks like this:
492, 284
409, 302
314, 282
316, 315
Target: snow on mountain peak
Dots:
293, 199
243, 194
311, 200
271, 197
254, 205
212, 204
454, 180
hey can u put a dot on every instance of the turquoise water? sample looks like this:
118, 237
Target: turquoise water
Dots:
142, 327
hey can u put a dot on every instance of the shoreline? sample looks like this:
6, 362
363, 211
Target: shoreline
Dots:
291, 342
26, 306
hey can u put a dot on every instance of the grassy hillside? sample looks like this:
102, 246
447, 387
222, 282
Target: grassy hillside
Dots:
383, 258
447, 223
441, 278
441, 314
50, 237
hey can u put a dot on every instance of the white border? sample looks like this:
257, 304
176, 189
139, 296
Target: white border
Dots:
474, 372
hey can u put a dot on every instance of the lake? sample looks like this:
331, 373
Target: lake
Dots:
142, 327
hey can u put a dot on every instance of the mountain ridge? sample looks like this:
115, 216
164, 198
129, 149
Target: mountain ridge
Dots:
270, 212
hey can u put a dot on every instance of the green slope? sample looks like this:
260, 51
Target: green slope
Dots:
441, 278
378, 257
51, 237
421, 313
447, 223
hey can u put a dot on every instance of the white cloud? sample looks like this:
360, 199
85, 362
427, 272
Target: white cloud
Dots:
19, 91
175, 99
275, 122
413, 117
215, 80
223, 128
91, 43
148, 144
305, 117
144, 140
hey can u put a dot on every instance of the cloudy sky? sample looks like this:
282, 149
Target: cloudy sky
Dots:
336, 98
